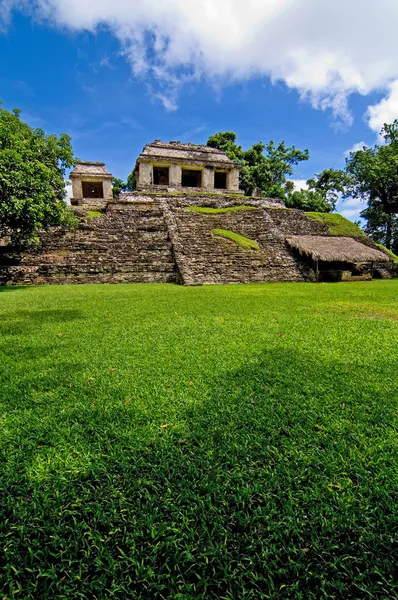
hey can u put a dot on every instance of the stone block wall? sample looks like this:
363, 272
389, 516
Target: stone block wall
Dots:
145, 174
77, 190
175, 172
203, 258
291, 221
154, 238
233, 180
208, 178
129, 243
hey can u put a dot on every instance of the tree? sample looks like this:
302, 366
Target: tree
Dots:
373, 176
32, 184
131, 182
309, 200
118, 185
226, 141
323, 192
331, 184
380, 226
264, 166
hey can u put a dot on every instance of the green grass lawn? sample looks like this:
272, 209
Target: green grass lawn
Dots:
229, 442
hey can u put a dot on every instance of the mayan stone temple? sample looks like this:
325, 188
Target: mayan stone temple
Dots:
186, 167
168, 231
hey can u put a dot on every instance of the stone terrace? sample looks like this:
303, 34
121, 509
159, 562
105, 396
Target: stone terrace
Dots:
129, 243
204, 258
152, 238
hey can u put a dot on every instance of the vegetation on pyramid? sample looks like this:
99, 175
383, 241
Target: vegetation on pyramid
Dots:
241, 240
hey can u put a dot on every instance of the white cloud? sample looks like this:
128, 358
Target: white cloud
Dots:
300, 184
352, 214
326, 50
352, 203
350, 208
6, 7
68, 188
169, 101
355, 148
385, 111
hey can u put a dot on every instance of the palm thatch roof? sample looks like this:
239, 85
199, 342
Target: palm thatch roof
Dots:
335, 249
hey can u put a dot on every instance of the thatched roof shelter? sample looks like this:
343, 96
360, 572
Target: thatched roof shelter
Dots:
335, 249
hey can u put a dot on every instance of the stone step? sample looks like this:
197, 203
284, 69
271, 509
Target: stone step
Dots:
81, 277
94, 268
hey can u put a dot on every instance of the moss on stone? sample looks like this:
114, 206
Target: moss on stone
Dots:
337, 224
393, 256
207, 210
241, 240
94, 214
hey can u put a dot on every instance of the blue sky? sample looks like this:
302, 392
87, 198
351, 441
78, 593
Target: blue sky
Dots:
116, 85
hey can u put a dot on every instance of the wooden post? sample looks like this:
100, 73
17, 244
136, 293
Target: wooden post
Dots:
317, 271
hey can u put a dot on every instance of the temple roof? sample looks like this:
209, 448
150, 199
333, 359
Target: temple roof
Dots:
91, 169
177, 152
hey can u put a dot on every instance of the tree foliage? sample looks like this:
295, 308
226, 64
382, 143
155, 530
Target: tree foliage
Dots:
309, 200
382, 227
373, 177
118, 185
323, 192
330, 185
32, 185
371, 174
263, 166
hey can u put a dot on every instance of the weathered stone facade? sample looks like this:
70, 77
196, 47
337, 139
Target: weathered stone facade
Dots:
158, 238
91, 185
156, 235
127, 243
175, 166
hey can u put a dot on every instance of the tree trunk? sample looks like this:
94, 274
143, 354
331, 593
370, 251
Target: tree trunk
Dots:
389, 232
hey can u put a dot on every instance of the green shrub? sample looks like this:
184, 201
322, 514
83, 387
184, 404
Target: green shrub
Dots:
241, 240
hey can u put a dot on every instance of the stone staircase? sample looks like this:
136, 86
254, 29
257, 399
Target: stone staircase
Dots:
204, 258
128, 243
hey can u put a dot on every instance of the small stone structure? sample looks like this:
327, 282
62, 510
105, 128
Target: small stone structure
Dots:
175, 166
91, 185
156, 234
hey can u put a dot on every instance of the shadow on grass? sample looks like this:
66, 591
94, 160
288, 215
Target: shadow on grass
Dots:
13, 288
15, 322
281, 484
44, 316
